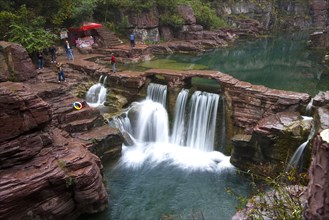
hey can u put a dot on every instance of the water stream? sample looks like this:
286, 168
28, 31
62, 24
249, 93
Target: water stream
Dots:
96, 95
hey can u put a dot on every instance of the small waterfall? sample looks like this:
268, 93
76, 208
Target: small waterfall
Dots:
96, 94
296, 161
152, 124
178, 132
157, 93
122, 122
202, 121
309, 108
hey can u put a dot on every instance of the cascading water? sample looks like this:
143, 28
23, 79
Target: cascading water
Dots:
157, 93
296, 161
96, 94
152, 125
202, 121
178, 132
309, 108
157, 177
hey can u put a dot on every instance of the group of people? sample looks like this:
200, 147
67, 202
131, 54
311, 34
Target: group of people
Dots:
69, 55
53, 57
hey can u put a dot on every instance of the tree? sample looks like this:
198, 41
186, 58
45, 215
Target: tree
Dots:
33, 39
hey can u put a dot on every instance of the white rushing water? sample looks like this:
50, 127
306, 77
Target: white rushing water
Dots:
296, 160
96, 94
191, 145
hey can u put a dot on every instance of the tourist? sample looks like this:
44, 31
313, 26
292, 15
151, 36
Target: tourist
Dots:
68, 49
61, 76
113, 61
52, 50
132, 40
40, 60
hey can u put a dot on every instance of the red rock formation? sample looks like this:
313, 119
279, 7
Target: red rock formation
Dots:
319, 10
318, 187
44, 172
20, 110
15, 63
187, 13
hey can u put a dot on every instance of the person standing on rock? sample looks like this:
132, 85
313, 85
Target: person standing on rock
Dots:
52, 50
132, 40
68, 50
61, 76
40, 60
113, 61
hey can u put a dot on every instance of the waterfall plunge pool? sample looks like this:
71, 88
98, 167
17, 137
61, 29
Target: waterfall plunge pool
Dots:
177, 176
163, 181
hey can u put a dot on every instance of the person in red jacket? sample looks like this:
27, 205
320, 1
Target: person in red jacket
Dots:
113, 62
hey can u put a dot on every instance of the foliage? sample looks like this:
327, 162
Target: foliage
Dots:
69, 182
84, 11
63, 13
33, 39
172, 20
281, 199
61, 164
6, 18
206, 15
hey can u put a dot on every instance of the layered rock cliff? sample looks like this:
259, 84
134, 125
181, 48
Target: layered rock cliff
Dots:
47, 170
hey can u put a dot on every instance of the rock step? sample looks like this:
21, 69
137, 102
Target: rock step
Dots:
82, 125
84, 113
109, 38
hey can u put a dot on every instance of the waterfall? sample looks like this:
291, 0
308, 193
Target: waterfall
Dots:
96, 94
296, 161
194, 128
145, 127
122, 122
309, 107
202, 121
152, 123
157, 93
178, 132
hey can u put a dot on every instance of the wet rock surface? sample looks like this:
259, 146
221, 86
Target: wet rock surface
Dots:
274, 139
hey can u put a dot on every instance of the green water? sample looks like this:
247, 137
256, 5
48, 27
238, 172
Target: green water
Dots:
280, 62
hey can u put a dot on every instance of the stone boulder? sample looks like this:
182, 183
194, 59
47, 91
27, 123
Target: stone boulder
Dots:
187, 13
274, 140
318, 188
320, 39
260, 11
15, 63
21, 111
319, 11
145, 20
61, 182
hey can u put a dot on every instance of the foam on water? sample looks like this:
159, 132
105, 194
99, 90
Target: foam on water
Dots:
181, 157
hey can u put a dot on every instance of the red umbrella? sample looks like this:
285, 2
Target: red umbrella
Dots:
86, 26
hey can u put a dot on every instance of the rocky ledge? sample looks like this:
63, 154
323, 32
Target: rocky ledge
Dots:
47, 170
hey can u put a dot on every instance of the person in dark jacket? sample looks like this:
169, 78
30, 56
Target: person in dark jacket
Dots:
52, 51
40, 60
